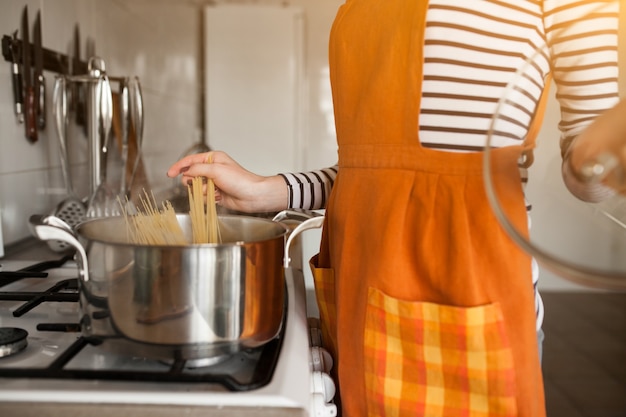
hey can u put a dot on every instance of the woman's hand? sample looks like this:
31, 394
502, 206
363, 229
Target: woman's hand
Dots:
235, 187
598, 155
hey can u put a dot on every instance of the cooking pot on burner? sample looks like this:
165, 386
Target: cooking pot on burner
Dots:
189, 301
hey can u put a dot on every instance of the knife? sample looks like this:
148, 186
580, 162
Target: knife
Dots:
78, 90
40, 81
29, 91
16, 78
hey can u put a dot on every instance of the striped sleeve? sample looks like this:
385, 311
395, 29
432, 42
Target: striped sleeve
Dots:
474, 50
310, 190
582, 38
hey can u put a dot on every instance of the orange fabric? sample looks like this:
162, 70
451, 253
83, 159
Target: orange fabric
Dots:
412, 225
535, 125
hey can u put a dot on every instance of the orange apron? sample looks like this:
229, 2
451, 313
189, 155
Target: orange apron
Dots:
426, 304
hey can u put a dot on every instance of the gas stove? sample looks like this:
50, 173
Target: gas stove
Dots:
48, 368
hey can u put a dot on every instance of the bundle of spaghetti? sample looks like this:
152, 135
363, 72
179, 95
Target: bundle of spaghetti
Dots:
154, 226
199, 228
205, 224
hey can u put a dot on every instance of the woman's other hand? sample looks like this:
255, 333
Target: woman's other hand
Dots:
598, 155
235, 187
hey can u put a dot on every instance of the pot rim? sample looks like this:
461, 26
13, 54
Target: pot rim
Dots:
284, 230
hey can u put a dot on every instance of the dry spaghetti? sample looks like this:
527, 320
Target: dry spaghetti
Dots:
152, 225
205, 225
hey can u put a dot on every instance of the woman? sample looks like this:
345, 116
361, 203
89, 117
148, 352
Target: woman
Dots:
426, 305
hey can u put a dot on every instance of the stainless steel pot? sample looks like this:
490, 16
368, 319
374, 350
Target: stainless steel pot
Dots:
194, 301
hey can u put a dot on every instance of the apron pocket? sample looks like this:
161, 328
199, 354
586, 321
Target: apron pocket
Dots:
324, 280
436, 360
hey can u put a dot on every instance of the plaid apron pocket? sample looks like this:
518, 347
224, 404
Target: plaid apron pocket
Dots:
431, 360
324, 280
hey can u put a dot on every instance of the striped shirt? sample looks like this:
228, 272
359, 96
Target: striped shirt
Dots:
477, 51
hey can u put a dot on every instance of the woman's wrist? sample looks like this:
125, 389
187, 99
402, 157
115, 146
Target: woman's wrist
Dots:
274, 195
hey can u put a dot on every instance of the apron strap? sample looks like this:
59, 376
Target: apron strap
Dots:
535, 126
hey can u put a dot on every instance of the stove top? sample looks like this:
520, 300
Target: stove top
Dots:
83, 358
58, 367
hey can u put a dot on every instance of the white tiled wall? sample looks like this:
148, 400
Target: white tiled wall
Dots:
155, 40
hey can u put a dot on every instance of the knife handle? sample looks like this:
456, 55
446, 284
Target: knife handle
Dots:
30, 115
41, 102
18, 98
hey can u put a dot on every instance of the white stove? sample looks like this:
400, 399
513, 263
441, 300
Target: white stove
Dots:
58, 372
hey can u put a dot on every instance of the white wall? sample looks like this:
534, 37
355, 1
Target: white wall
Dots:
255, 85
319, 141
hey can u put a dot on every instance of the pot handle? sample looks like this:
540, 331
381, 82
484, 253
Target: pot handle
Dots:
308, 219
53, 228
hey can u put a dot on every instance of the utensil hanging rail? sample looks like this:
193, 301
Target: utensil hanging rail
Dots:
52, 60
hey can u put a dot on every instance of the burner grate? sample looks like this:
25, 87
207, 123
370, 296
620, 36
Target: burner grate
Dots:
9, 277
243, 370
33, 271
33, 299
259, 364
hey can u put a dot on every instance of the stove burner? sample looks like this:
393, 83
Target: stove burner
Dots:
12, 340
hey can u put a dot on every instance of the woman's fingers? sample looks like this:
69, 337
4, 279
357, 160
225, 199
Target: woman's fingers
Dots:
234, 186
189, 162
183, 164
599, 152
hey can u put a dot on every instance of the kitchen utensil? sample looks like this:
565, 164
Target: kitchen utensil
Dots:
95, 141
71, 209
581, 242
106, 111
130, 156
104, 201
124, 114
40, 80
30, 121
16, 80
195, 301
137, 117
78, 89
121, 132
134, 179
